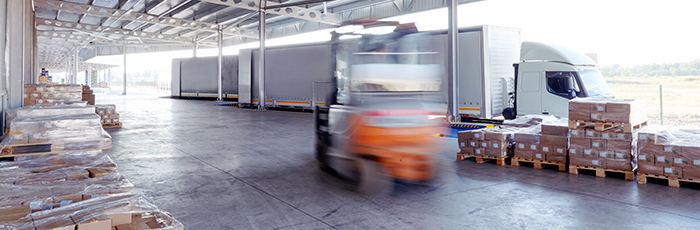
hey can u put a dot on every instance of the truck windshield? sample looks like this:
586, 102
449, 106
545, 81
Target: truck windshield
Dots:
595, 84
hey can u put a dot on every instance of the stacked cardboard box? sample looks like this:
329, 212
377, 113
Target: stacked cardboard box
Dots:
51, 93
494, 142
64, 126
108, 114
610, 146
88, 95
73, 191
669, 151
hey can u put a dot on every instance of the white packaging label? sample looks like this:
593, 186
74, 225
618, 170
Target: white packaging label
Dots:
678, 160
495, 145
573, 151
590, 133
473, 143
587, 151
574, 132
621, 136
533, 147
660, 158
478, 151
485, 145
603, 154
522, 146
668, 149
36, 205
696, 162
545, 149
600, 108
462, 144
596, 144
605, 135
620, 155
538, 156
477, 135
642, 157
594, 162
560, 150
668, 170
65, 202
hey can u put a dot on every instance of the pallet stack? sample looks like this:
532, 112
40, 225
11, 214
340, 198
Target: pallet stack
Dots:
669, 153
51, 93
492, 143
602, 135
109, 116
539, 145
88, 95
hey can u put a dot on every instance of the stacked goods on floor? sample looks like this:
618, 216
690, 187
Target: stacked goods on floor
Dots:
669, 153
542, 144
51, 93
88, 95
602, 135
108, 114
490, 143
73, 191
53, 128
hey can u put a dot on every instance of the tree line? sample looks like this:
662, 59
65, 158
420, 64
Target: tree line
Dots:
653, 70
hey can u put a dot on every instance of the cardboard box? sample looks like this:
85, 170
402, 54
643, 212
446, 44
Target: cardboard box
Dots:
579, 143
539, 156
650, 169
672, 149
557, 129
626, 111
579, 110
97, 223
606, 154
649, 159
581, 161
619, 164
522, 146
524, 154
590, 153
551, 140
99, 172
546, 149
576, 152
479, 151
65, 200
621, 146
534, 147
477, 135
592, 134
599, 144
527, 138
691, 173
678, 160
496, 152
13, 213
558, 150
626, 155
663, 160
578, 133
473, 143
483, 144
674, 172
651, 149
556, 158
600, 162
692, 153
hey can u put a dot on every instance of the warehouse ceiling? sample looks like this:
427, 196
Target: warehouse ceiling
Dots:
103, 27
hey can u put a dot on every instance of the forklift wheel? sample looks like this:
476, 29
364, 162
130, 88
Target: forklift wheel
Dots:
373, 180
509, 113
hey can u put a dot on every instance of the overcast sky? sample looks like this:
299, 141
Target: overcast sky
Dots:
625, 32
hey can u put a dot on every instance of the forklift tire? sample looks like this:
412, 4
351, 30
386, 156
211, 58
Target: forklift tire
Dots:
373, 181
509, 113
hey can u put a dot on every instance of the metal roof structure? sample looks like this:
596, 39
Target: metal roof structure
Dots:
108, 27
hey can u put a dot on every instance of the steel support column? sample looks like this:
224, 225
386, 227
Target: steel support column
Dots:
88, 76
74, 79
220, 75
452, 62
194, 49
261, 57
124, 93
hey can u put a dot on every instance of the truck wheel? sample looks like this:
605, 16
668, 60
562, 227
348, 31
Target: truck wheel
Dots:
373, 181
509, 113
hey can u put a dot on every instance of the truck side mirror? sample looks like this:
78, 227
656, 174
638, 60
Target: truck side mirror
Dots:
569, 84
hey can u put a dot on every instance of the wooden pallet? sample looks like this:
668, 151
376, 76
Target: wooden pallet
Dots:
672, 182
600, 172
602, 126
16, 150
537, 164
112, 125
481, 159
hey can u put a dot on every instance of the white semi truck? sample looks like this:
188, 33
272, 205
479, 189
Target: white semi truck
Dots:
498, 74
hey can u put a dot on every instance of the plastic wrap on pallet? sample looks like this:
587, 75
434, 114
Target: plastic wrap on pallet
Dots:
669, 151
620, 111
128, 210
529, 120
51, 93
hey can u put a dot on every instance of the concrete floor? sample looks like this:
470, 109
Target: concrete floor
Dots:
219, 167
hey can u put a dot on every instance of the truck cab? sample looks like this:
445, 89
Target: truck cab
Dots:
548, 76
